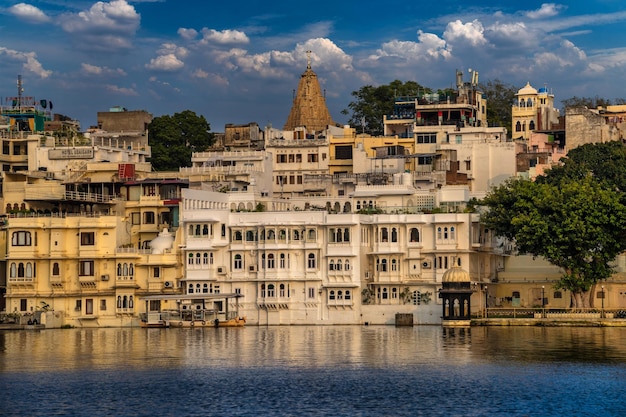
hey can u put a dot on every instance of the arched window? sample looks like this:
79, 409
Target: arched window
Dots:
197, 232
55, 269
271, 262
347, 295
131, 303
331, 295
383, 265
250, 236
282, 261
131, 270
445, 233
263, 290
384, 235
29, 270
238, 236
125, 269
270, 290
394, 235
439, 233
311, 264
205, 230
13, 272
190, 289
271, 235
205, 258
346, 264
339, 295
119, 301
331, 265
415, 235
189, 260
282, 290
339, 265
198, 258
190, 230
531, 125
296, 235
125, 302
394, 293
346, 235
452, 233
518, 127
311, 237
394, 265
205, 288
119, 270
385, 293
20, 270
238, 263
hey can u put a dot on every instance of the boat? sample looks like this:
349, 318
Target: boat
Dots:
192, 310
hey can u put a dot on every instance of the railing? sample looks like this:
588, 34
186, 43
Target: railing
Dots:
551, 313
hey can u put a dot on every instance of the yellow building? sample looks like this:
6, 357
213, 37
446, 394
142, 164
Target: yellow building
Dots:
533, 110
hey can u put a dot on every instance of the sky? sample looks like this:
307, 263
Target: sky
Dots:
240, 62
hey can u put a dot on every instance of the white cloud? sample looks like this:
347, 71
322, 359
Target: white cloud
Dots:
96, 70
429, 46
224, 37
546, 10
122, 90
188, 34
28, 59
471, 33
28, 13
168, 62
173, 49
104, 26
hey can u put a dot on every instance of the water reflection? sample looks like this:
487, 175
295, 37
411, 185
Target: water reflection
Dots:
336, 370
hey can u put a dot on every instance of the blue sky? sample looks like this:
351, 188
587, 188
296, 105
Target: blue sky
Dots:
239, 62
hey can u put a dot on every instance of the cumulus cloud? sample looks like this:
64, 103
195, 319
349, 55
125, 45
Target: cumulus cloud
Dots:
167, 62
173, 49
224, 37
471, 33
104, 26
96, 70
28, 13
28, 59
429, 46
188, 34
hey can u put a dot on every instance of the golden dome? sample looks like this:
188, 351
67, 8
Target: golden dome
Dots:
456, 274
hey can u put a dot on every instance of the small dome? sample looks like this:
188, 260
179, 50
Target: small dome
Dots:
456, 274
543, 90
528, 89
162, 242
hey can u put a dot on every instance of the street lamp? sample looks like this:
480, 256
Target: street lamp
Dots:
543, 301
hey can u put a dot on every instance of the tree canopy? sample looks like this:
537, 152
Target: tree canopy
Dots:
174, 138
572, 217
590, 102
372, 103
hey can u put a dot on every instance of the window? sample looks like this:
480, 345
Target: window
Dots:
343, 152
103, 305
89, 306
85, 268
558, 294
156, 272
21, 238
312, 157
79, 305
23, 304
87, 238
148, 217
311, 292
427, 138
282, 290
347, 295
55, 269
311, 264
270, 291
271, 263
238, 262
415, 235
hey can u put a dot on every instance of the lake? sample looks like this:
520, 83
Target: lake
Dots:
314, 371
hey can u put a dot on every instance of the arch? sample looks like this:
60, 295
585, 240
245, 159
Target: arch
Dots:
415, 235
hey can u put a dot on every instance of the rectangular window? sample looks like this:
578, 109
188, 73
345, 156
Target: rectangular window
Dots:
103, 305
148, 217
156, 272
87, 238
23, 304
312, 157
135, 218
79, 305
311, 292
89, 306
343, 152
427, 138
85, 269
298, 157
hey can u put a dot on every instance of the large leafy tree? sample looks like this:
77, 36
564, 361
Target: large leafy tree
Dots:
174, 138
500, 98
371, 103
576, 222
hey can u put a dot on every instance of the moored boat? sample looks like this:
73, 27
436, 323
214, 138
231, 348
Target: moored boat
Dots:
192, 310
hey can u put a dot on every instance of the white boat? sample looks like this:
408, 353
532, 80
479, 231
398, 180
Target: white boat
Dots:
192, 310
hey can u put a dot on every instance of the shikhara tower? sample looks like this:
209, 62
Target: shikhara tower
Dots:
309, 105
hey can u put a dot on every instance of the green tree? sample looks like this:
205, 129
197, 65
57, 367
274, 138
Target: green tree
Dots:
174, 138
576, 224
372, 103
590, 102
500, 99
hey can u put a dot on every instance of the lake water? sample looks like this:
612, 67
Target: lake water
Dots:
314, 371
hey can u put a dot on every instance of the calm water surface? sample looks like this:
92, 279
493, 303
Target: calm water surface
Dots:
314, 371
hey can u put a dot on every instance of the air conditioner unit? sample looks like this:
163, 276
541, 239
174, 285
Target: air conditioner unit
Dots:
221, 270
168, 284
252, 268
104, 277
426, 265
